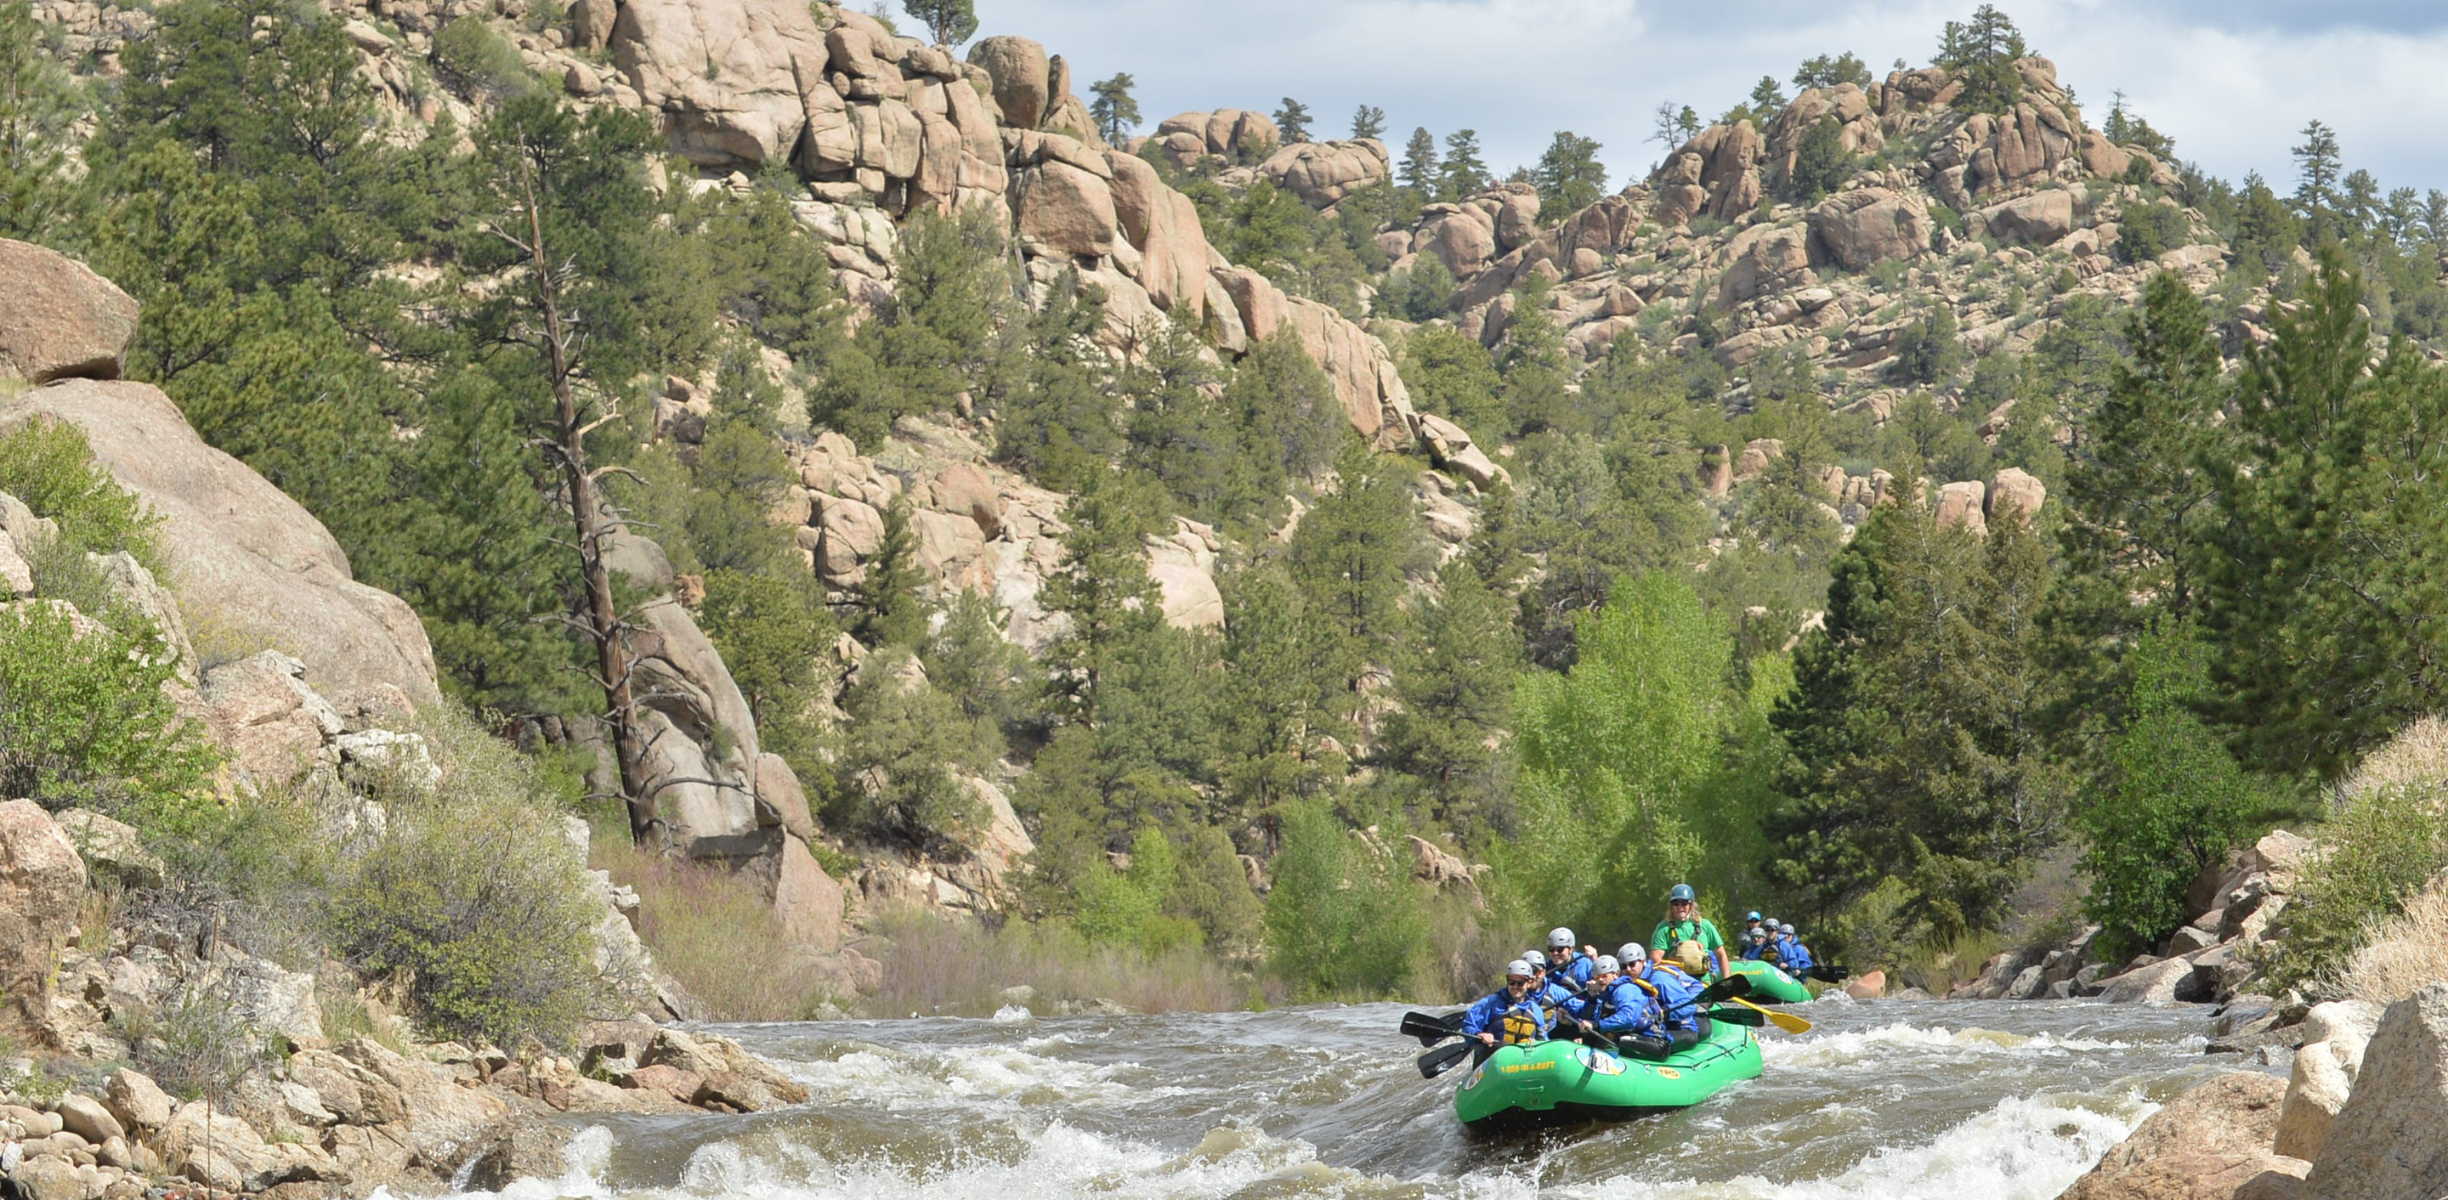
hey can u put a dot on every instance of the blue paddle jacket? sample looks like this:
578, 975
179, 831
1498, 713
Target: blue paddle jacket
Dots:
1509, 1019
1796, 956
1578, 969
1753, 948
1555, 993
1625, 1007
1676, 992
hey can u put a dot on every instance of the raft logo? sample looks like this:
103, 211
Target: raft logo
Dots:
1603, 1064
1669, 1073
1518, 1068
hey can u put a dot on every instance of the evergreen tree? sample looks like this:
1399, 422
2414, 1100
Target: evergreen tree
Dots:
1293, 120
1057, 420
1285, 694
738, 478
1536, 373
1103, 585
902, 765
951, 21
1569, 176
2316, 195
1451, 375
776, 636
1913, 726
1983, 52
1354, 548
1928, 351
1766, 100
1462, 174
1183, 435
887, 607
2318, 568
1287, 410
1114, 110
1458, 670
1820, 162
36, 102
1687, 123
2266, 233
1825, 71
969, 659
933, 339
1367, 122
1419, 162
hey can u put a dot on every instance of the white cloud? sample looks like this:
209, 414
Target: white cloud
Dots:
2232, 83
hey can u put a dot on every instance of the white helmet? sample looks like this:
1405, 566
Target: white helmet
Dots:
1535, 959
1517, 968
1608, 966
1559, 938
1631, 952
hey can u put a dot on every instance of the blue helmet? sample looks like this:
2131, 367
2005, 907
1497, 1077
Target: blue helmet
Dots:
1680, 891
1752, 915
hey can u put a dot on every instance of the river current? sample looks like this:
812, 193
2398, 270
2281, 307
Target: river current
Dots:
1994, 1101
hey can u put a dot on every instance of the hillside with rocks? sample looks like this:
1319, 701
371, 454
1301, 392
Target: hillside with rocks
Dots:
814, 488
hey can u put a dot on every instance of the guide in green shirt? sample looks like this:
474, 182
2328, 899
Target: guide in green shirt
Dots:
1684, 923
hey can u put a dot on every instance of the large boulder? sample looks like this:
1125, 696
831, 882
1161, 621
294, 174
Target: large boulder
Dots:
2335, 1036
1863, 228
1762, 260
2015, 491
2390, 1141
2204, 1145
1323, 173
2169, 981
2039, 219
1715, 174
241, 554
42, 882
1063, 210
726, 76
701, 738
58, 319
1020, 78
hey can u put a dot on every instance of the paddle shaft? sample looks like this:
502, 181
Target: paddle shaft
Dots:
1785, 1021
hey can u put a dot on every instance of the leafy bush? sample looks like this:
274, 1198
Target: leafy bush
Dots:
1928, 350
2376, 853
1820, 162
49, 465
2181, 803
84, 722
1344, 917
466, 895
481, 59
2149, 231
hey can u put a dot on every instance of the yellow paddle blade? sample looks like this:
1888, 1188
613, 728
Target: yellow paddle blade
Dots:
1785, 1021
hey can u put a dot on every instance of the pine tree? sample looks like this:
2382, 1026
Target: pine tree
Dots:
1355, 547
1293, 120
951, 21
2267, 235
1820, 162
1453, 376
776, 636
1569, 176
1285, 693
1419, 162
1827, 72
1114, 110
1767, 99
1983, 52
1367, 122
1103, 585
889, 611
1536, 372
1462, 174
2316, 196
1461, 661
36, 102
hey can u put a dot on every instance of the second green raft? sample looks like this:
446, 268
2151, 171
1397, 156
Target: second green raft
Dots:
1768, 984
1561, 1080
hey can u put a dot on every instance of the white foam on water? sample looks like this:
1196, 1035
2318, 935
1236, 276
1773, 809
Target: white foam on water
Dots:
898, 1079
1061, 1163
2020, 1149
1841, 1049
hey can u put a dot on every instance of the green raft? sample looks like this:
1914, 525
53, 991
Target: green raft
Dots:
1565, 1081
1769, 985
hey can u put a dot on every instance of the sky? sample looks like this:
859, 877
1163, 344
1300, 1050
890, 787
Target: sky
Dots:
2233, 82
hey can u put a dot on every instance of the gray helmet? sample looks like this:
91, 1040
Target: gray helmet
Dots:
1631, 952
1607, 965
1559, 938
1517, 969
1535, 959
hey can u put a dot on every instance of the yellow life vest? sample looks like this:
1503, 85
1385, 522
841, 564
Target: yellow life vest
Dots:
1520, 1028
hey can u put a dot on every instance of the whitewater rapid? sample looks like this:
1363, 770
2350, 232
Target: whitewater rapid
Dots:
1932, 1099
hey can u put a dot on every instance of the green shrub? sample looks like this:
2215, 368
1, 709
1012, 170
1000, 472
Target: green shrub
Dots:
478, 57
466, 896
1820, 163
84, 722
2376, 853
2149, 231
49, 465
1343, 918
713, 932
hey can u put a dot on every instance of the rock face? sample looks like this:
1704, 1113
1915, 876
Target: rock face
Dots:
58, 319
2204, 1145
2390, 1141
701, 744
2336, 1036
41, 884
1715, 174
1323, 173
241, 551
1861, 229
2040, 219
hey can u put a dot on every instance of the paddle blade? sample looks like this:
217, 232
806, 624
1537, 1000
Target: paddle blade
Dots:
1828, 974
1782, 1020
1437, 1062
1431, 1030
1725, 989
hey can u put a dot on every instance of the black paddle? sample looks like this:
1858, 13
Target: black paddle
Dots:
1437, 1062
1829, 974
1431, 1030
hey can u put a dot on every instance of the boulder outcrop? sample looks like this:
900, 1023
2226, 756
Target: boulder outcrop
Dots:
42, 881
2390, 1141
1323, 173
2205, 1145
62, 320
240, 552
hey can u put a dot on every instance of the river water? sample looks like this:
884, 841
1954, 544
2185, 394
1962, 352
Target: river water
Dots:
1994, 1101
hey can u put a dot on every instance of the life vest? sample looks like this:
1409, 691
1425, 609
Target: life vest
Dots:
1521, 1028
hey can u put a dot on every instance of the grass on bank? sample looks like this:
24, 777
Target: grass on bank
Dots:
714, 934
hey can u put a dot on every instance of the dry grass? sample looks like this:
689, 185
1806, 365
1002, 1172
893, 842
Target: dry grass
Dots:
948, 968
1940, 968
711, 931
2403, 953
2416, 761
